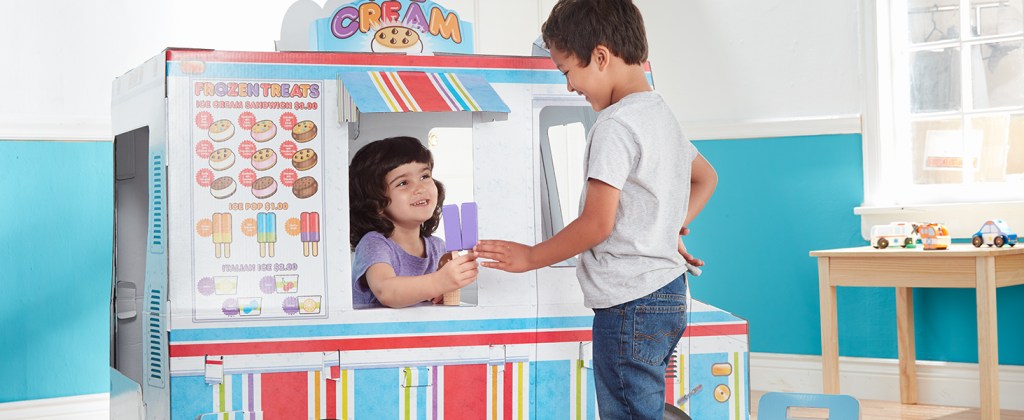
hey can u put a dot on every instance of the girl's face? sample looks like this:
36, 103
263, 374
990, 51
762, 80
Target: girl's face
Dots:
413, 195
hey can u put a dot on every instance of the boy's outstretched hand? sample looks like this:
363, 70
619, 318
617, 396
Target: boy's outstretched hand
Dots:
508, 256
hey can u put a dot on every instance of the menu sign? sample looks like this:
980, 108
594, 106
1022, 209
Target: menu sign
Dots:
257, 201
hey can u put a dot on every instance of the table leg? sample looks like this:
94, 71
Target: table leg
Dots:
988, 343
905, 344
829, 330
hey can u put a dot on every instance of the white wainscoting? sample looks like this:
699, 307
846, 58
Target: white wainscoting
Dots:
78, 407
938, 383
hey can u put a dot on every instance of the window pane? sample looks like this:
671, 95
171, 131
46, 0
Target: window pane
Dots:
997, 69
997, 17
933, 20
935, 80
1015, 148
937, 147
994, 137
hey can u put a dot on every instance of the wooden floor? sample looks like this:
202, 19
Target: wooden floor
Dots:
886, 410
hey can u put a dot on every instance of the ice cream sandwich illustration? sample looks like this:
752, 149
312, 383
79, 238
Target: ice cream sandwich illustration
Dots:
264, 159
221, 130
304, 159
263, 131
222, 159
223, 187
304, 131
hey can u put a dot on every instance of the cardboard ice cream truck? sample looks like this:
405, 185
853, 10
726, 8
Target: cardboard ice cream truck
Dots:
232, 279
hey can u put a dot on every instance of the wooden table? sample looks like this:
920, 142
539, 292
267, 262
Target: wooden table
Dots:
961, 266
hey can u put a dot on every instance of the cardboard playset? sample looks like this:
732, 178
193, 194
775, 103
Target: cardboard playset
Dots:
232, 278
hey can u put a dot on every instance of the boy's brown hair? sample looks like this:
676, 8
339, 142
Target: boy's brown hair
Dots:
578, 26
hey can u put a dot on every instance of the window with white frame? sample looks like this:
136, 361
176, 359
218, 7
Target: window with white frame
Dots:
949, 116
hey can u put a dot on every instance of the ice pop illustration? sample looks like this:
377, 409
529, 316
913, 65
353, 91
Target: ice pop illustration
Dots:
460, 234
266, 232
310, 233
222, 234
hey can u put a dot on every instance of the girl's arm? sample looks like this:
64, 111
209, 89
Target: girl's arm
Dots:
397, 291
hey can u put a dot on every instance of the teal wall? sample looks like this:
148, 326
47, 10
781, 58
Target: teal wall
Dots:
780, 198
56, 201
777, 199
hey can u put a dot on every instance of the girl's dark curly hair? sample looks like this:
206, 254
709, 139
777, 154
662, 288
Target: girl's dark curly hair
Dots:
368, 190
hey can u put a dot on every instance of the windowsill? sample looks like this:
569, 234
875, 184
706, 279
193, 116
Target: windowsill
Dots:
962, 219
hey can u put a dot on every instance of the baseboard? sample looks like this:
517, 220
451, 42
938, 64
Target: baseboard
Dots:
938, 383
78, 407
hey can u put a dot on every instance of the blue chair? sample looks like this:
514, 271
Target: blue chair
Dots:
775, 405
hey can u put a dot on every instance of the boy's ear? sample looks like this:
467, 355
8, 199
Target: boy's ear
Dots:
601, 56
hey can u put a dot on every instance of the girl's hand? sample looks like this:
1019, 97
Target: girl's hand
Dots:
508, 256
457, 273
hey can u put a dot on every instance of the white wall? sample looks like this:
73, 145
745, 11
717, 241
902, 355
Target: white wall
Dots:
717, 62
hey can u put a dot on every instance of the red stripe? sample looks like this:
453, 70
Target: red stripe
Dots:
394, 91
331, 394
413, 342
368, 59
284, 395
465, 392
427, 96
712, 330
409, 342
508, 390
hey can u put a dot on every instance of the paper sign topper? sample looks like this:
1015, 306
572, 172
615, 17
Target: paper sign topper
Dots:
459, 234
393, 26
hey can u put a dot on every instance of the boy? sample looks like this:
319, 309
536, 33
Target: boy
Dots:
645, 183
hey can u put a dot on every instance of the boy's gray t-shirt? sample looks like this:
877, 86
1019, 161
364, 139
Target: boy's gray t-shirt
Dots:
375, 248
637, 146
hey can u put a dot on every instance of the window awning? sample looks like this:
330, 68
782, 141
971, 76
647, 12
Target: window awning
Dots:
416, 91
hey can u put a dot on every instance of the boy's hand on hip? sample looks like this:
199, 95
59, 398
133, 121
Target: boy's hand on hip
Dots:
694, 261
508, 256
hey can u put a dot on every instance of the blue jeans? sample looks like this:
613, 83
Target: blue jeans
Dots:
632, 345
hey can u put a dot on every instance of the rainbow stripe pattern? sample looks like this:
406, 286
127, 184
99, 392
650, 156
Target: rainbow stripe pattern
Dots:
417, 91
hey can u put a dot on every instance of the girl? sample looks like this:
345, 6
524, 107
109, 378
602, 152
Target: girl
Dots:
395, 206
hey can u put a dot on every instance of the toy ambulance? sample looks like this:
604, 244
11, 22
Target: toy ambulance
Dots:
903, 234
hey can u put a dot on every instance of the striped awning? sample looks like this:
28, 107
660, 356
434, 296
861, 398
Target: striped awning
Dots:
417, 91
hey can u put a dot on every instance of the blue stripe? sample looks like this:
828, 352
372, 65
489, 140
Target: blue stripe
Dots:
709, 316
376, 393
364, 92
454, 92
552, 381
483, 94
372, 329
391, 328
591, 394
190, 397
236, 392
421, 392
